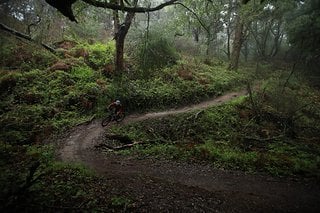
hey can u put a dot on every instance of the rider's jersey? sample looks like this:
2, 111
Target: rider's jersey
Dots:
117, 107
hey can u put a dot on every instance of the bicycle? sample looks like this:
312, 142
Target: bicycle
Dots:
113, 117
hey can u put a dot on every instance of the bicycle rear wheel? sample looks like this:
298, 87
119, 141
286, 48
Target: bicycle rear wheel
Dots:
121, 116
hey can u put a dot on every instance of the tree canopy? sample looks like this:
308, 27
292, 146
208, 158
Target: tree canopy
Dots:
235, 30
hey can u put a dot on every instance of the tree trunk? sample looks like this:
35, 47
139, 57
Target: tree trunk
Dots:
228, 42
245, 51
119, 62
278, 36
229, 31
121, 31
196, 32
237, 43
208, 43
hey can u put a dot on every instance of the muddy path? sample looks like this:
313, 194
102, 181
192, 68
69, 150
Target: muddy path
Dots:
164, 185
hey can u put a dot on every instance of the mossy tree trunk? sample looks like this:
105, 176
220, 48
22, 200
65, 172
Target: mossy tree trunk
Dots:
237, 44
121, 31
238, 36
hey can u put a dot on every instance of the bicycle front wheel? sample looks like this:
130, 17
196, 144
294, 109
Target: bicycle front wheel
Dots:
106, 121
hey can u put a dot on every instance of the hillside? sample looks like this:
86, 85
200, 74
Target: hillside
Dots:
221, 102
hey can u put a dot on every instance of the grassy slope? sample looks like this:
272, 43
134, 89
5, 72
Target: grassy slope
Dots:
277, 135
36, 102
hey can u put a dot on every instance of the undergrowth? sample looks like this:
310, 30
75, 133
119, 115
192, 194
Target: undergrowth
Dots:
97, 55
182, 84
36, 103
15, 54
50, 95
156, 52
273, 133
276, 134
37, 183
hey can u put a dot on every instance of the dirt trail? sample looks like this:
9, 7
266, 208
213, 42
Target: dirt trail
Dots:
202, 105
162, 185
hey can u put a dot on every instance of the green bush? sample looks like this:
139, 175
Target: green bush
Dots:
15, 54
98, 55
155, 53
228, 136
34, 104
174, 86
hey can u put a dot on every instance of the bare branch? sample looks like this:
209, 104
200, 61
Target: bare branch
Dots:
129, 9
24, 36
195, 15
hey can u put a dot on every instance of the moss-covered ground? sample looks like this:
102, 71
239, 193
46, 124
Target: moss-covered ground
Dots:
43, 94
269, 132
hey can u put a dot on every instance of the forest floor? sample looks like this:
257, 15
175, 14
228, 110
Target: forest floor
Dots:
163, 185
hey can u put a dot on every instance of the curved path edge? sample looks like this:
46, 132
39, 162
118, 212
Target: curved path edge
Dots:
234, 190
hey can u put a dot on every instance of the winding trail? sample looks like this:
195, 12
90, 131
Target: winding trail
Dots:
163, 185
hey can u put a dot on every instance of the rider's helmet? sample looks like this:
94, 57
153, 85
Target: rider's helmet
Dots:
118, 102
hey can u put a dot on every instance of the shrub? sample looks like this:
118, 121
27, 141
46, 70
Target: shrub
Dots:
187, 46
228, 136
156, 53
15, 54
34, 104
98, 55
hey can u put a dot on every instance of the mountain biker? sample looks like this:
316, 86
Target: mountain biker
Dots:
116, 107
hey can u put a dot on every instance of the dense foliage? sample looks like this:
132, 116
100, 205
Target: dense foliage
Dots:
174, 57
155, 53
38, 183
304, 32
274, 133
37, 102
